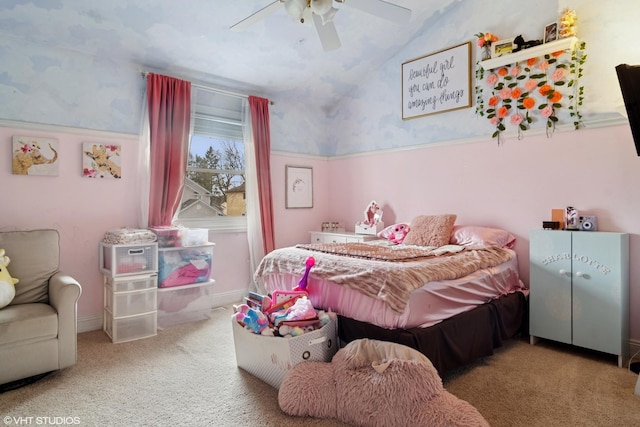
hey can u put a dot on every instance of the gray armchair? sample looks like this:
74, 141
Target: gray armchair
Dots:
38, 329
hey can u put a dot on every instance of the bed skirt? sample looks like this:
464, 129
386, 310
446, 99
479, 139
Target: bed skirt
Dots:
457, 341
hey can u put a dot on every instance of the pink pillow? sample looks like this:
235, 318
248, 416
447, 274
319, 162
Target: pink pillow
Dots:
396, 232
471, 235
430, 230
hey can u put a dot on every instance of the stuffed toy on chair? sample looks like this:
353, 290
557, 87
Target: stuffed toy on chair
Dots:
7, 283
375, 383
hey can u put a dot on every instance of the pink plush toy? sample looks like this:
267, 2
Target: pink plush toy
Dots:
399, 233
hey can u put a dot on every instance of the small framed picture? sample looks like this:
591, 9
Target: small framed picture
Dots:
501, 47
299, 187
551, 32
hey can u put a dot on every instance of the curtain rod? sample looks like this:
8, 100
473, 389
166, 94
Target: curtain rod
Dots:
226, 92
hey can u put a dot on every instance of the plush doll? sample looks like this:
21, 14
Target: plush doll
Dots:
7, 283
399, 233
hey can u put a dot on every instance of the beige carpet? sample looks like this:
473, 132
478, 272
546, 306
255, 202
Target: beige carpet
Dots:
187, 376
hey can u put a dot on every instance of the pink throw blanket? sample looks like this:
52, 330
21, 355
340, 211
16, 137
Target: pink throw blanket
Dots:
389, 281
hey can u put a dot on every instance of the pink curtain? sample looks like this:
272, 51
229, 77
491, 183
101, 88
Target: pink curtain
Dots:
169, 105
262, 140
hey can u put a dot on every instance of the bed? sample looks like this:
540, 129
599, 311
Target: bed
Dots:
454, 298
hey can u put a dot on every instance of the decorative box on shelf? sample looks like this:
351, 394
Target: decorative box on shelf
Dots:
532, 52
362, 228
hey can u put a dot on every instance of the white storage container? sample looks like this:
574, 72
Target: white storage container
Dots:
130, 328
132, 283
130, 303
183, 304
269, 358
184, 265
196, 236
120, 260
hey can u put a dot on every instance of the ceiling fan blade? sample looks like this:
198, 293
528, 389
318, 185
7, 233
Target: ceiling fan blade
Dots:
381, 9
327, 33
257, 16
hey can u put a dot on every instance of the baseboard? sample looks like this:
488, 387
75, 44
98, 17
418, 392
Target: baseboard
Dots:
93, 322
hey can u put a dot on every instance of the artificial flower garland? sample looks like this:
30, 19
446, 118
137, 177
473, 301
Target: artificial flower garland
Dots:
522, 91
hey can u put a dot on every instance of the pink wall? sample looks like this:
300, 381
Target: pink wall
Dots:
293, 225
512, 186
81, 209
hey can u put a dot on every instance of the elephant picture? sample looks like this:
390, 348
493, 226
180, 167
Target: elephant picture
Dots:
35, 156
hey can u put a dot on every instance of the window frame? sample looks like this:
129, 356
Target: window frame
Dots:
219, 223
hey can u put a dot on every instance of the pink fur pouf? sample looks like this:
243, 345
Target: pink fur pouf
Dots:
375, 383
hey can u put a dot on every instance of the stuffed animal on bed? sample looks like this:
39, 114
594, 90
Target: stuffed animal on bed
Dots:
395, 233
7, 283
399, 233
371, 382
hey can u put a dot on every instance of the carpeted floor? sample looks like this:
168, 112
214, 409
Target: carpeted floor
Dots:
187, 376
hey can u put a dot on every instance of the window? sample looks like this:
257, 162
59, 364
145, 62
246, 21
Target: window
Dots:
214, 190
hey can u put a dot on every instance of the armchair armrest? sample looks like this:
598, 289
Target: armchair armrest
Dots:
64, 292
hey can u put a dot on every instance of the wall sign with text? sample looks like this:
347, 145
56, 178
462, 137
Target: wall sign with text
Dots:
437, 82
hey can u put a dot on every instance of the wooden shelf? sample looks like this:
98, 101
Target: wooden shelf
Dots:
532, 52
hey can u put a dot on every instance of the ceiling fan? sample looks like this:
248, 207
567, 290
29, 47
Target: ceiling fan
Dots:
321, 13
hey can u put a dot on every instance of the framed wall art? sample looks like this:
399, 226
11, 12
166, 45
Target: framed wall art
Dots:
299, 187
437, 82
501, 47
34, 156
550, 32
101, 161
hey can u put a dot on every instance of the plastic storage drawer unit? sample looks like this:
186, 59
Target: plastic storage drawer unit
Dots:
183, 304
120, 260
184, 265
130, 328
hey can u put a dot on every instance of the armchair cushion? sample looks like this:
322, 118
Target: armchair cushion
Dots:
28, 323
35, 257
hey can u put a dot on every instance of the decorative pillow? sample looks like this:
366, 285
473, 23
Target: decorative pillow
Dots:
430, 230
472, 235
395, 233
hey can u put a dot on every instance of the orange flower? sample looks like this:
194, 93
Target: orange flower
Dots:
531, 61
528, 103
502, 112
544, 89
493, 101
555, 96
503, 72
516, 93
558, 53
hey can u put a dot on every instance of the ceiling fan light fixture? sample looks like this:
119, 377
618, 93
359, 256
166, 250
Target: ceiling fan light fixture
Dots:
296, 9
321, 7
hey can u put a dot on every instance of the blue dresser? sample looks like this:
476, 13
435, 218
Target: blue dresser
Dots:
579, 283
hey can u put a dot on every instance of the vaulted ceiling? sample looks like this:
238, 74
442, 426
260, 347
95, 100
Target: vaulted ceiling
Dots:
193, 40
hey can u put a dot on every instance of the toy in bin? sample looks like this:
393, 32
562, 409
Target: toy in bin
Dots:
264, 314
